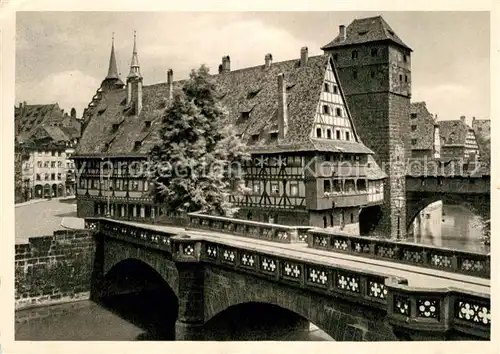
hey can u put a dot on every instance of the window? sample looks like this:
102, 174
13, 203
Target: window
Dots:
327, 87
274, 187
400, 77
324, 222
413, 127
374, 52
318, 132
53, 164
352, 218
39, 164
335, 89
38, 177
413, 141
114, 128
59, 176
135, 185
147, 124
413, 115
337, 134
331, 220
404, 58
53, 153
326, 109
46, 164
354, 74
59, 163
273, 136
406, 78
294, 189
354, 54
347, 136
137, 145
338, 112
327, 187
328, 133
255, 137
256, 187
245, 115
53, 176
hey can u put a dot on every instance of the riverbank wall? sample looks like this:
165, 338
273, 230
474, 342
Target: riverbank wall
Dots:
54, 269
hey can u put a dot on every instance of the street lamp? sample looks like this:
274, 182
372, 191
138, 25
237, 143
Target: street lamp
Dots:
399, 207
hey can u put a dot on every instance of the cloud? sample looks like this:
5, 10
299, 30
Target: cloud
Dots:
68, 88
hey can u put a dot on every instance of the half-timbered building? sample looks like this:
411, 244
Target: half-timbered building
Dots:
308, 166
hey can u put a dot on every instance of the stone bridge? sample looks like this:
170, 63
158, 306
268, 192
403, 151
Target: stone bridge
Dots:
470, 188
353, 288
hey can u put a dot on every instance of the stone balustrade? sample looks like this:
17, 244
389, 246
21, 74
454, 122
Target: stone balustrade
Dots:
411, 308
248, 228
464, 262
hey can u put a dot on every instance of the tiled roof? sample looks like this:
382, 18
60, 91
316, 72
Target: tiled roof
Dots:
252, 90
423, 136
367, 30
56, 133
482, 130
453, 132
28, 117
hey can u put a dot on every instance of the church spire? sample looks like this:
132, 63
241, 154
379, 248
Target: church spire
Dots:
134, 64
113, 69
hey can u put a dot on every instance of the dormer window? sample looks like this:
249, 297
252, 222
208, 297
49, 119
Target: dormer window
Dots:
147, 124
137, 145
245, 115
255, 137
114, 128
413, 115
273, 136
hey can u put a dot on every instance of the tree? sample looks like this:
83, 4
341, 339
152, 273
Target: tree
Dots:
196, 166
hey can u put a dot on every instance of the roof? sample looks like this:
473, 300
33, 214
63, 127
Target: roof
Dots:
252, 90
370, 29
27, 117
453, 132
424, 121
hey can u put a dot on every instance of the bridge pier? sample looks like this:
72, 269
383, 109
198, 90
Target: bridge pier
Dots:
188, 331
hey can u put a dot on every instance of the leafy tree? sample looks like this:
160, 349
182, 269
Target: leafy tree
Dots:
196, 164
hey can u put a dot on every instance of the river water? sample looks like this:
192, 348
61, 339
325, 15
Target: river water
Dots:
90, 321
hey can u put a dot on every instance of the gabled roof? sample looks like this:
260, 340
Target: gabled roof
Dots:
453, 132
370, 29
252, 90
424, 121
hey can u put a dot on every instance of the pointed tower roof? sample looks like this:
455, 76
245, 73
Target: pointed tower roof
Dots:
113, 69
135, 70
364, 30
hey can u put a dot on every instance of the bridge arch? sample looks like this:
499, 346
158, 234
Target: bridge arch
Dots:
258, 321
340, 319
138, 293
475, 204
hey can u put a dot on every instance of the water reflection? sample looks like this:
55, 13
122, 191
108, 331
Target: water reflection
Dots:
450, 226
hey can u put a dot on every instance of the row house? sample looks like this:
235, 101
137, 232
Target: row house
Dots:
458, 140
308, 165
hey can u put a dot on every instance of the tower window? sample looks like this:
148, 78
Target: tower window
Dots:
338, 111
328, 133
347, 136
413, 127
354, 54
326, 109
327, 88
354, 74
374, 52
318, 132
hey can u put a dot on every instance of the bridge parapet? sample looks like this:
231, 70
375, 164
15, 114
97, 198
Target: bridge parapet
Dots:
248, 228
456, 261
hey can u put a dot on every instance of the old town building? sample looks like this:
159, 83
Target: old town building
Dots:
482, 130
374, 67
458, 140
425, 140
308, 166
45, 140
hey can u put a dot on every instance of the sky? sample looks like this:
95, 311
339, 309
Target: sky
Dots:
63, 56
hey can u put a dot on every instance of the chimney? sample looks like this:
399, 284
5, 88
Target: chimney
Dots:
73, 112
342, 33
282, 107
462, 118
170, 82
269, 60
226, 64
304, 55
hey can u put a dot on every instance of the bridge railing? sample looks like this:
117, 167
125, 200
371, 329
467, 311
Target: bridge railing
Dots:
249, 228
457, 261
438, 310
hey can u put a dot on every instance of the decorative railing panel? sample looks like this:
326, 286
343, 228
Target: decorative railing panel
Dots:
248, 228
469, 263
